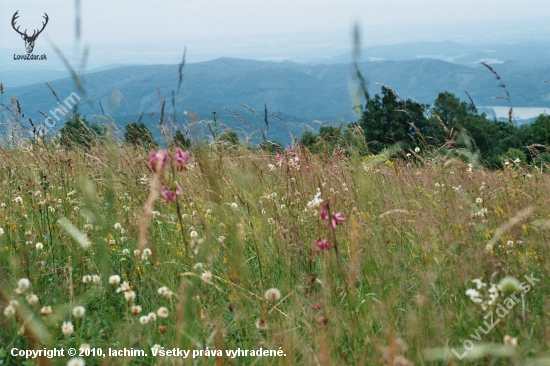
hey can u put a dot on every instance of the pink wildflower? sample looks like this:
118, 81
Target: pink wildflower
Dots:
323, 244
181, 156
170, 195
336, 218
324, 212
158, 160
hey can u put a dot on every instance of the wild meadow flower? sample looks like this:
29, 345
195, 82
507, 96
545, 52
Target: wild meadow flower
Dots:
46, 310
206, 276
164, 291
272, 294
181, 156
479, 200
23, 284
144, 319
86, 278
9, 311
39, 246
135, 309
193, 234
18, 199
509, 341
67, 328
152, 317
146, 253
323, 244
163, 312
1, 231
114, 280
76, 361
234, 205
124, 287
221, 239
170, 195
96, 280
474, 295
129, 295
158, 160
118, 226
79, 311
32, 299
261, 324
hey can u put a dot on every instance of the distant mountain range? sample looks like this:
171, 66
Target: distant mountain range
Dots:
295, 92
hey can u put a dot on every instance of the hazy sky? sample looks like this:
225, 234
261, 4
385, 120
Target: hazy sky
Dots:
170, 24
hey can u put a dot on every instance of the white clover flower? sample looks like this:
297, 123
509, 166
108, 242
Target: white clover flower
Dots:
206, 276
18, 199
67, 328
163, 312
193, 234
417, 150
135, 309
96, 280
32, 299
272, 294
86, 278
46, 310
9, 311
23, 284
79, 311
118, 226
76, 361
39, 246
164, 291
198, 265
3, 205
144, 319
234, 205
137, 252
488, 247
129, 295
152, 317
1, 231
479, 200
114, 280
510, 243
125, 251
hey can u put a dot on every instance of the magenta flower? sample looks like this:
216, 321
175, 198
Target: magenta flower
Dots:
170, 195
323, 244
324, 212
336, 218
158, 160
181, 156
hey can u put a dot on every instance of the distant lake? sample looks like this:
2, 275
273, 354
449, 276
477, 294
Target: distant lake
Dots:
519, 113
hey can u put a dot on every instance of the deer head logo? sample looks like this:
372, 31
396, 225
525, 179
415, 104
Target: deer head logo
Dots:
29, 40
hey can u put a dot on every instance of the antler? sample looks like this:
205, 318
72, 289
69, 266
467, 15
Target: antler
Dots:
34, 35
15, 16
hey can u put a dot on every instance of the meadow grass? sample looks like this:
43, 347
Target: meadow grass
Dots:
389, 290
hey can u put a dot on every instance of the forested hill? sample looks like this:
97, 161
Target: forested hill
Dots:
298, 91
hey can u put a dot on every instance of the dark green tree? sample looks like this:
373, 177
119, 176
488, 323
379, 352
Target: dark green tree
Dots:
388, 120
137, 133
78, 131
230, 137
181, 140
